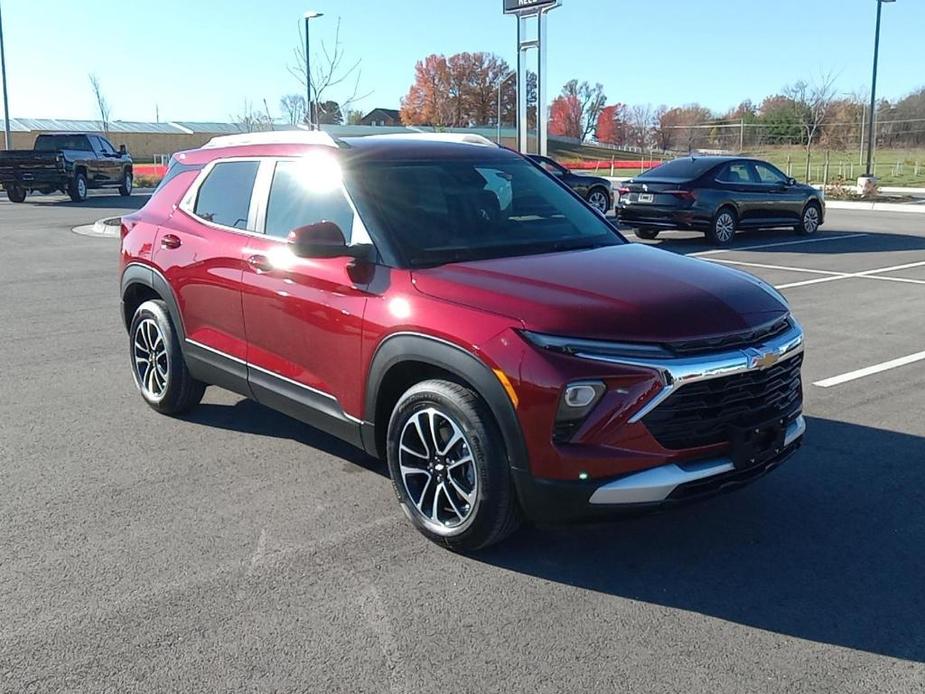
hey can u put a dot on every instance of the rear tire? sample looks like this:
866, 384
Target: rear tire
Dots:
16, 193
77, 189
810, 221
449, 467
723, 229
125, 188
158, 366
647, 234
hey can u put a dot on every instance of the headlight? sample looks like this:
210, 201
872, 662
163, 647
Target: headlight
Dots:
573, 345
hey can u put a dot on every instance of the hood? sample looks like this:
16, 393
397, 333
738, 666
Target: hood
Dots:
629, 292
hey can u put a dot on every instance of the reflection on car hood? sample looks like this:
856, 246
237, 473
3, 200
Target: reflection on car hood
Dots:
628, 292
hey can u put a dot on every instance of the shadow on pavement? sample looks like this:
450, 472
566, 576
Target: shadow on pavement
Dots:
686, 242
830, 547
133, 202
251, 417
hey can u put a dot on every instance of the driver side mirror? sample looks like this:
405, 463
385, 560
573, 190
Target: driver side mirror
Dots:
323, 240
122, 150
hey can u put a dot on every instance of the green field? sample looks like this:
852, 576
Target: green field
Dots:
893, 167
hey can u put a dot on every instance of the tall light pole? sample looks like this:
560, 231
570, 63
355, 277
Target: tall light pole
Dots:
501, 84
8, 138
873, 90
311, 14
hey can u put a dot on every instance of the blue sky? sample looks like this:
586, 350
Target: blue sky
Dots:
199, 59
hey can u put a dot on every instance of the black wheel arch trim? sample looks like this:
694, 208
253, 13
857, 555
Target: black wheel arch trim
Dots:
151, 277
418, 347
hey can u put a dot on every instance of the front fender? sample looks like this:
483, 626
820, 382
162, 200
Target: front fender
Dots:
417, 347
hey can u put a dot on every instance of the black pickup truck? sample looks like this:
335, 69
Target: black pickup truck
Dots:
70, 162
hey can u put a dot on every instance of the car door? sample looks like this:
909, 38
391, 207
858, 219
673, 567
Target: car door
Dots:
98, 168
739, 184
303, 317
785, 201
199, 250
110, 161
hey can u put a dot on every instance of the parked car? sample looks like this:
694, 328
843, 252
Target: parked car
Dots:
595, 190
718, 195
72, 163
443, 304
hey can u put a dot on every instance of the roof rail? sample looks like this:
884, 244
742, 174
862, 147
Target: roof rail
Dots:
464, 138
271, 137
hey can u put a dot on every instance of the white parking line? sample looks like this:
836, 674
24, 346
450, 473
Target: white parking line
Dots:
774, 267
870, 370
778, 243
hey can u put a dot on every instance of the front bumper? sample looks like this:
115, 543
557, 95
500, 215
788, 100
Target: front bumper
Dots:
672, 484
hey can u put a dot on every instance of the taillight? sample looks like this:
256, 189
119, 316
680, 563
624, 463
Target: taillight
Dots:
623, 191
683, 194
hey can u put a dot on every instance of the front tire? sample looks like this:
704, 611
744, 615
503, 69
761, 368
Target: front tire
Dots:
647, 234
157, 363
723, 229
449, 466
77, 189
125, 188
810, 221
599, 199
16, 194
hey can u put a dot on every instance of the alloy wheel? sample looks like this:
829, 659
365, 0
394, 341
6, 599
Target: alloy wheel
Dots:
438, 469
725, 227
81, 188
811, 220
598, 200
151, 360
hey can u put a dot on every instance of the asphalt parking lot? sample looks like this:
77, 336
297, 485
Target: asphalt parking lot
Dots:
236, 549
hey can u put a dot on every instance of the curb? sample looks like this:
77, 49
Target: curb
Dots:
874, 206
107, 228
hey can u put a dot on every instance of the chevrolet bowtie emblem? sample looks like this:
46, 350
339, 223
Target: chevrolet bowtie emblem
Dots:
761, 360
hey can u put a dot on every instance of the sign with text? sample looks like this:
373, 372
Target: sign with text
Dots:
513, 6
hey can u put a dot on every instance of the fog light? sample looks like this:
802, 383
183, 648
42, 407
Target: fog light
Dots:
580, 395
577, 400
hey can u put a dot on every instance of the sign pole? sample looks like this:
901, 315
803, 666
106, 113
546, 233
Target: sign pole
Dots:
523, 10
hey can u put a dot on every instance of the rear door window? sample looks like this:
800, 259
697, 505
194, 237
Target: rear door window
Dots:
225, 196
736, 172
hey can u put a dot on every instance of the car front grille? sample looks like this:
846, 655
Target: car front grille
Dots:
700, 413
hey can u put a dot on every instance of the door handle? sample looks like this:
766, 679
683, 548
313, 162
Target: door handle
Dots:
170, 241
260, 263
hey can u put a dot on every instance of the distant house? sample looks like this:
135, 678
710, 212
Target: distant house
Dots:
382, 116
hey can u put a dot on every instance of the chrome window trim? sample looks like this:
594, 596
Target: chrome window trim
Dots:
676, 373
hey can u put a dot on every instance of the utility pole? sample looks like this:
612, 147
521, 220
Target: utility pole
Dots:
741, 135
8, 137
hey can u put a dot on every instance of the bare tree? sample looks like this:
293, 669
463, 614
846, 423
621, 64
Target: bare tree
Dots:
813, 101
101, 101
293, 106
328, 70
640, 119
253, 120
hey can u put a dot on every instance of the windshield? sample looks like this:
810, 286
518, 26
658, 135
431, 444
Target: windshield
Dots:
457, 210
51, 143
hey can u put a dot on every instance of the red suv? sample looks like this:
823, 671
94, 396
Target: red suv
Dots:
453, 309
